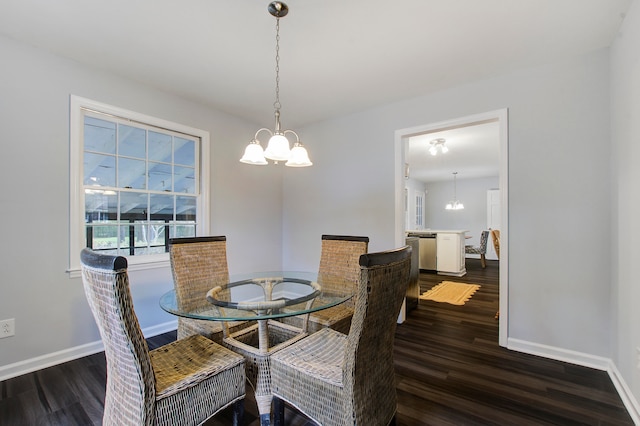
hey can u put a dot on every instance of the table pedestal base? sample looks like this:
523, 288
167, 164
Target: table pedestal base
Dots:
256, 344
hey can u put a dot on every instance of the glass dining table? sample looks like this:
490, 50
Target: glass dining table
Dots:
264, 300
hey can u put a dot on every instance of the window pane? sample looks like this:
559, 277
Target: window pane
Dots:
185, 152
161, 207
104, 236
131, 141
156, 234
160, 178
185, 179
141, 233
99, 135
100, 206
185, 209
133, 206
131, 173
182, 231
159, 147
99, 170
125, 239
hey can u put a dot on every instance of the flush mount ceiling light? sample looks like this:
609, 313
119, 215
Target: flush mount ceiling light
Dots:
455, 204
278, 147
438, 145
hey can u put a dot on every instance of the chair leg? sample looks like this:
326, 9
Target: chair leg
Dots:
238, 413
278, 412
483, 261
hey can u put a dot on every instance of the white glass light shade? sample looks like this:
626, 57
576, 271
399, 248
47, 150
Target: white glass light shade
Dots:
433, 150
278, 148
455, 205
254, 154
299, 157
444, 149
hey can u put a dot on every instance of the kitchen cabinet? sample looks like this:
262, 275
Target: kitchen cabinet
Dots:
442, 251
450, 257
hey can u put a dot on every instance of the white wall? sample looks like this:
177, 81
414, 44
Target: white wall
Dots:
625, 197
50, 310
558, 191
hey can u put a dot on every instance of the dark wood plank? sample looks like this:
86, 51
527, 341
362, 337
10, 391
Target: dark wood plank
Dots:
450, 371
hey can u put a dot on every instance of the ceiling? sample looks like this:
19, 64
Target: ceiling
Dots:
336, 56
474, 152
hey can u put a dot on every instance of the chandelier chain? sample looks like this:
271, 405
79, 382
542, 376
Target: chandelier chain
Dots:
277, 104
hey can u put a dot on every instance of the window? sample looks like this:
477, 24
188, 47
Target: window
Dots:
419, 210
136, 181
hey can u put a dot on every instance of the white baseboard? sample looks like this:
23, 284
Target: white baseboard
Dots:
585, 360
627, 397
38, 363
559, 354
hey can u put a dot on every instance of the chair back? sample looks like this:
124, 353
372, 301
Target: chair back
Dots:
339, 259
198, 264
130, 394
495, 237
369, 370
484, 238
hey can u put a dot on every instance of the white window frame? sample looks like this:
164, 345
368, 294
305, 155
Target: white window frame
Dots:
77, 242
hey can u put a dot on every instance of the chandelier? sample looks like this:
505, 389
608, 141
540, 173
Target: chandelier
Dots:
278, 146
438, 144
454, 204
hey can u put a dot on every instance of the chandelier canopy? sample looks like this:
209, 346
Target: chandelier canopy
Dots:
278, 146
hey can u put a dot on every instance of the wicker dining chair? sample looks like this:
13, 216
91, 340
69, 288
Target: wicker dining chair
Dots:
339, 257
182, 383
338, 379
198, 264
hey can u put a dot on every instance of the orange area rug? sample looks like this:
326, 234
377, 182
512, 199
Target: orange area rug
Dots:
451, 292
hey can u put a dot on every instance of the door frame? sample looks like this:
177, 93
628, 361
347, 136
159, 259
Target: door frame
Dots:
401, 136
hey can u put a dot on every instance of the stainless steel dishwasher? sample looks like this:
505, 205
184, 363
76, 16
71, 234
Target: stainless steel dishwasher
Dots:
427, 244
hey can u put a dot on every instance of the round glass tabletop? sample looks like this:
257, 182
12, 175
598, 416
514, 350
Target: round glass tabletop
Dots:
264, 295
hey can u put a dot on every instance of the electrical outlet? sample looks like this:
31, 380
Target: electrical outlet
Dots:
7, 328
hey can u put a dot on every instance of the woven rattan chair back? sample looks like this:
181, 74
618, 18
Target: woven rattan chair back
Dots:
184, 382
339, 258
346, 380
130, 380
368, 363
198, 264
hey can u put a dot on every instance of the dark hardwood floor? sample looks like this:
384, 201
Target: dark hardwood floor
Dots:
450, 371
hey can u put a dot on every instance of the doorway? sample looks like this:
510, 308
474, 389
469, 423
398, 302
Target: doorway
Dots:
402, 172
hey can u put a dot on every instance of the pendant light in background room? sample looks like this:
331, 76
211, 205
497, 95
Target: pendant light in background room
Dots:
454, 204
278, 146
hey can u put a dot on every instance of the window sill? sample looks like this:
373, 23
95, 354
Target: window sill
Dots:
134, 264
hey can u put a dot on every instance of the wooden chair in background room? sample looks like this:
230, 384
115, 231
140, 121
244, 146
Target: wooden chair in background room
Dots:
481, 249
495, 238
339, 258
338, 379
198, 264
182, 383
